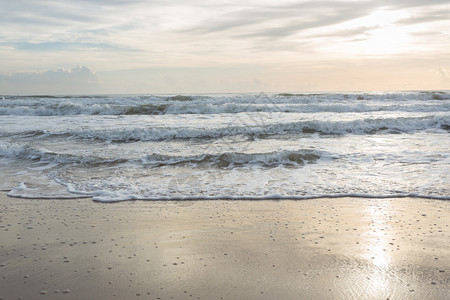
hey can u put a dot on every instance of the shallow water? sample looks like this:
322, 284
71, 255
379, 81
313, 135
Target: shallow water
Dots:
253, 146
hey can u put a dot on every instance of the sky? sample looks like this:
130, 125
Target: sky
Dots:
220, 46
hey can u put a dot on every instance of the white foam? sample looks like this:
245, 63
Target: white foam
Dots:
216, 104
108, 197
226, 146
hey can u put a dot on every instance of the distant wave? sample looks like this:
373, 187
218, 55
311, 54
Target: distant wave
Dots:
393, 95
158, 105
160, 109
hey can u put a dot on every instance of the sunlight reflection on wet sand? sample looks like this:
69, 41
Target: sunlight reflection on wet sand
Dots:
345, 248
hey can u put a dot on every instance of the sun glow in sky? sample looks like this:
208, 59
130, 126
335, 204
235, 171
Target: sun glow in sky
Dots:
385, 37
138, 46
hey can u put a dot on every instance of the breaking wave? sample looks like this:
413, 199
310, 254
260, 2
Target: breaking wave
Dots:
229, 159
367, 126
220, 160
13, 150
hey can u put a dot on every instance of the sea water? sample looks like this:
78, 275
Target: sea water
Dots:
226, 146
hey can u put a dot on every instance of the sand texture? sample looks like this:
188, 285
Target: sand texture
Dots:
344, 248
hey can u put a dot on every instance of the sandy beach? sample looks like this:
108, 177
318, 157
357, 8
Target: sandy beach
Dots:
345, 248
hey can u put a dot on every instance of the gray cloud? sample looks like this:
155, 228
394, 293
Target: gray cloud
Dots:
291, 18
426, 17
267, 28
38, 20
278, 21
76, 80
298, 25
41, 13
396, 4
83, 21
67, 46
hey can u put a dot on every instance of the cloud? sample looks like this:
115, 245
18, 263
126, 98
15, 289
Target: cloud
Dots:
78, 80
356, 32
66, 46
281, 20
115, 35
61, 21
411, 3
426, 16
443, 75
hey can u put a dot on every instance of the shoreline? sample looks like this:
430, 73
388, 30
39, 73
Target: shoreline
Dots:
238, 198
323, 248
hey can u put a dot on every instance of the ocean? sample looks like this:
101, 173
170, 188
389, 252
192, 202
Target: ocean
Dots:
226, 146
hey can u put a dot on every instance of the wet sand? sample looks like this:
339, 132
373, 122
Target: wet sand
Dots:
343, 248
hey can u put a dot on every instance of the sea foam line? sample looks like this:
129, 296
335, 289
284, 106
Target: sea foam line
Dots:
99, 198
